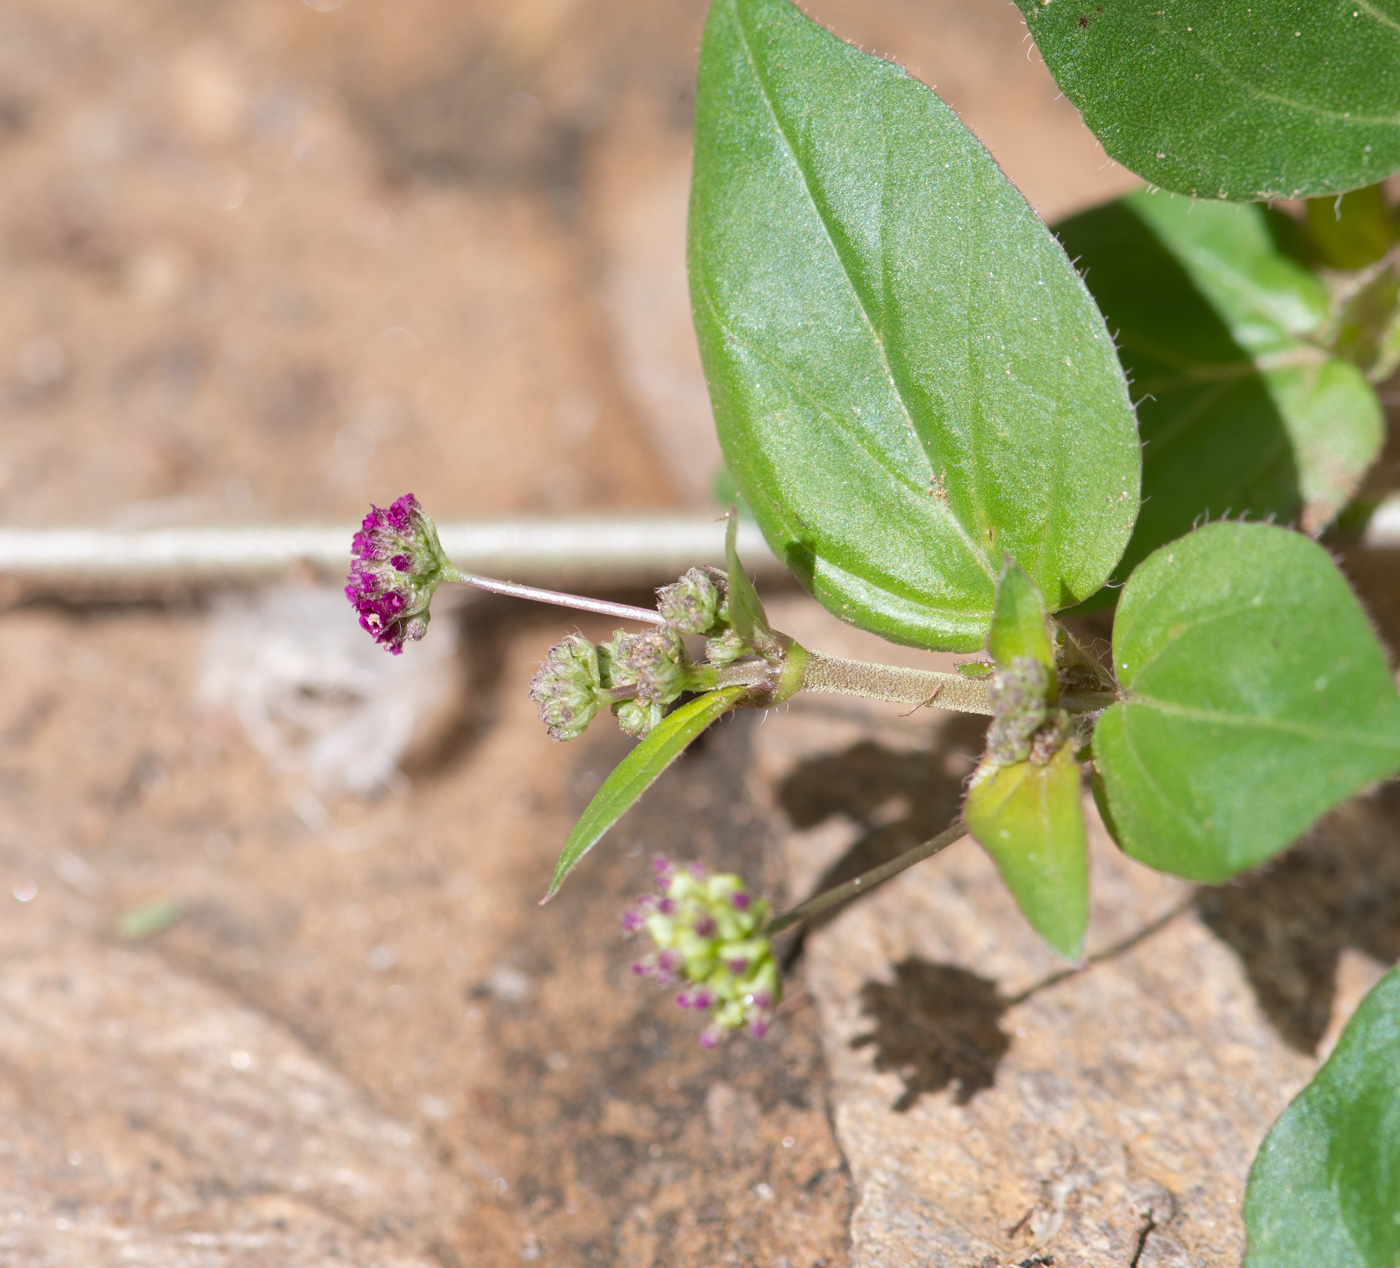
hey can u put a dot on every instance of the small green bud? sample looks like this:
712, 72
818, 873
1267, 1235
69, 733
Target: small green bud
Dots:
725, 648
655, 662
691, 605
637, 717
568, 687
1019, 709
1024, 725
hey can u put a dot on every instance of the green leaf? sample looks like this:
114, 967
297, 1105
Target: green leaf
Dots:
1018, 623
636, 772
908, 376
1233, 99
1028, 818
1325, 1186
1240, 409
746, 612
1257, 698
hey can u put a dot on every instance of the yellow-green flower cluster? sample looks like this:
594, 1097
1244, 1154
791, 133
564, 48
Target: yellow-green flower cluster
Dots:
710, 939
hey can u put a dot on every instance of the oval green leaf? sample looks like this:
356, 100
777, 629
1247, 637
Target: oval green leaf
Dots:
1240, 407
1233, 99
1258, 698
1029, 819
1325, 1186
636, 772
908, 376
1018, 622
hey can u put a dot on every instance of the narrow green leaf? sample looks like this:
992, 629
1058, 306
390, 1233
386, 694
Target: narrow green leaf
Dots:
636, 772
1019, 622
1218, 329
908, 376
1233, 99
746, 612
1029, 819
1325, 1186
1257, 699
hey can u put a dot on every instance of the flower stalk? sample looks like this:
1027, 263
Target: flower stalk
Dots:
867, 881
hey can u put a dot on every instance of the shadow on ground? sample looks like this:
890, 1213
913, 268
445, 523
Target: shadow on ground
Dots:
939, 1025
936, 1025
1290, 921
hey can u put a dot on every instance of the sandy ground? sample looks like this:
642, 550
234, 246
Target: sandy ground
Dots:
268, 262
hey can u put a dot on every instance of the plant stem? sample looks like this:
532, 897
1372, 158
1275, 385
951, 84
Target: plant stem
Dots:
898, 686
557, 597
921, 686
868, 880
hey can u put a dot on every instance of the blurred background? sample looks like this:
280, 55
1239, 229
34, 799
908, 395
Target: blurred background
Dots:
265, 263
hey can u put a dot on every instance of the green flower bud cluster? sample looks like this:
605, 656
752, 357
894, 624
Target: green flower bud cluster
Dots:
638, 675
709, 936
656, 664
1024, 725
568, 688
699, 604
648, 671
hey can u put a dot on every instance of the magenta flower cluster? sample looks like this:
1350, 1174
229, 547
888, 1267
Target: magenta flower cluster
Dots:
396, 566
710, 937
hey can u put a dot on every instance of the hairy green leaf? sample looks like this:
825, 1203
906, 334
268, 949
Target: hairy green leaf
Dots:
1018, 622
1241, 410
1234, 99
1257, 698
1028, 818
908, 376
1325, 1186
636, 772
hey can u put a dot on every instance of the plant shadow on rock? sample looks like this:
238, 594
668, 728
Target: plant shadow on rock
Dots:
1289, 922
935, 1025
939, 1025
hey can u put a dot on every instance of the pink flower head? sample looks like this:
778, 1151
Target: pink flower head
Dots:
396, 566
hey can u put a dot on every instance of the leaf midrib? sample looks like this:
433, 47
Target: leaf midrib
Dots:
969, 540
1201, 50
894, 585
1282, 725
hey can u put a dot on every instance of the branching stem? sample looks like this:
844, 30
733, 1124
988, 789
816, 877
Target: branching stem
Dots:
868, 880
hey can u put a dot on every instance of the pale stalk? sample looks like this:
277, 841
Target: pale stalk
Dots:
868, 880
624, 611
